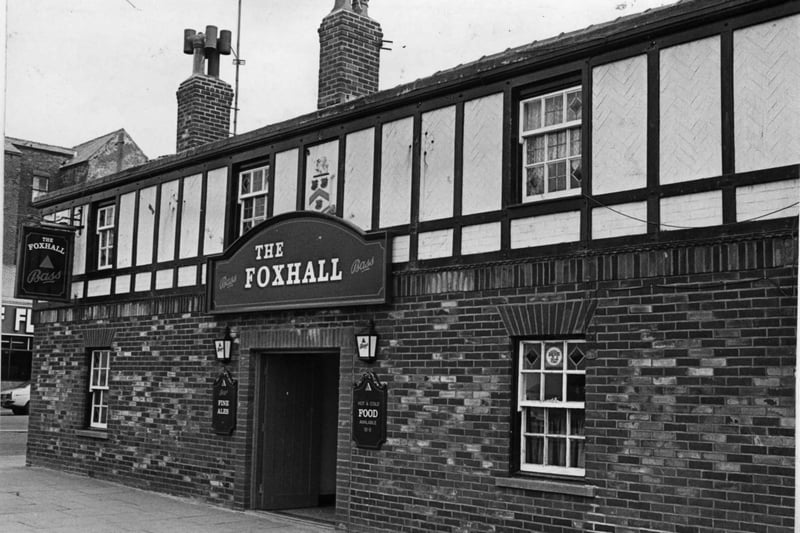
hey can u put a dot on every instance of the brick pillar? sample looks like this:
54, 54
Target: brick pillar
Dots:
349, 54
204, 111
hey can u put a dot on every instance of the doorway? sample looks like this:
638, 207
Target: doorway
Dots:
296, 431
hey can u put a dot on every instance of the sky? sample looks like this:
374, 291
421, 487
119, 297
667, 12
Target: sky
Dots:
78, 69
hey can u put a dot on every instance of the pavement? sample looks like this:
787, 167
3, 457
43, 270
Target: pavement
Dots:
35, 499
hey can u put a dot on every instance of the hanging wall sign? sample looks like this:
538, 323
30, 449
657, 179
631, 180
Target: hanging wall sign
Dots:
44, 264
299, 260
225, 396
369, 412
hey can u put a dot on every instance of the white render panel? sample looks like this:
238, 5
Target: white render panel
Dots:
437, 164
482, 173
480, 238
619, 126
396, 155
359, 170
98, 287
322, 171
203, 274
766, 94
285, 197
434, 244
187, 276
546, 229
167, 220
127, 212
76, 290
400, 249
164, 279
146, 227
698, 210
619, 219
763, 201
122, 284
691, 111
79, 256
190, 216
142, 281
214, 224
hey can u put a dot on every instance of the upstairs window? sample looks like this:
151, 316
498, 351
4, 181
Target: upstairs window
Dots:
98, 388
39, 186
550, 403
105, 236
253, 191
550, 134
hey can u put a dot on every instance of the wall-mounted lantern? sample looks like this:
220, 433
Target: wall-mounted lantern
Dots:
223, 347
367, 344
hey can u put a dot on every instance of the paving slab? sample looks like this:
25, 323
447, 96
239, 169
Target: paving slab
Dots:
36, 499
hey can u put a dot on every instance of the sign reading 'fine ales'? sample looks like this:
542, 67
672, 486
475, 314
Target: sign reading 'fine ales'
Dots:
45, 263
299, 260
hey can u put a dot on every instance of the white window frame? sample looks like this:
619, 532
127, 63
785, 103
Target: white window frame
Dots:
528, 135
549, 406
251, 196
105, 236
98, 388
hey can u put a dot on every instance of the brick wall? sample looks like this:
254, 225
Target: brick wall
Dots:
11, 206
349, 58
19, 173
204, 111
690, 393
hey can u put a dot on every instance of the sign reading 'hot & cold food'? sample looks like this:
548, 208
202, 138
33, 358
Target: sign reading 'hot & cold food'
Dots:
299, 260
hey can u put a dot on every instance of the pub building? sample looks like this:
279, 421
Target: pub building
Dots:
553, 289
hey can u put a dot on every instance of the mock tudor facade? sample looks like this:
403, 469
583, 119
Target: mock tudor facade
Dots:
585, 321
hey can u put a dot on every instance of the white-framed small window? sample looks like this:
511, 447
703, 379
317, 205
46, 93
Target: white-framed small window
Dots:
551, 403
550, 135
253, 194
105, 236
98, 388
39, 186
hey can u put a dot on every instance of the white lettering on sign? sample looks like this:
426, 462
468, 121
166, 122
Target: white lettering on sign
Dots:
361, 265
46, 245
22, 321
320, 271
269, 250
368, 413
38, 276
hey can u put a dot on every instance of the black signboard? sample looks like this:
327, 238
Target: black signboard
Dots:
299, 260
45, 264
223, 418
369, 412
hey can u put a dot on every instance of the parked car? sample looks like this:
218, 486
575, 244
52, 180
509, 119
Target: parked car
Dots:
18, 400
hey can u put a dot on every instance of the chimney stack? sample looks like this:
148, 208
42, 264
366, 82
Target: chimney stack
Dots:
349, 56
204, 100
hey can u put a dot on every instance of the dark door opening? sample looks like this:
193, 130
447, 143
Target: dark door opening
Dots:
298, 398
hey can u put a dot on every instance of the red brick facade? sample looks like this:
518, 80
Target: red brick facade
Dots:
350, 45
689, 398
204, 111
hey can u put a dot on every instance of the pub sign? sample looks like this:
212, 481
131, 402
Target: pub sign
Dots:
225, 398
44, 264
297, 261
369, 412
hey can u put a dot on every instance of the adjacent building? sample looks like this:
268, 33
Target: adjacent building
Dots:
31, 169
578, 259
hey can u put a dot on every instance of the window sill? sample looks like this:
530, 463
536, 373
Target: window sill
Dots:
547, 485
92, 434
